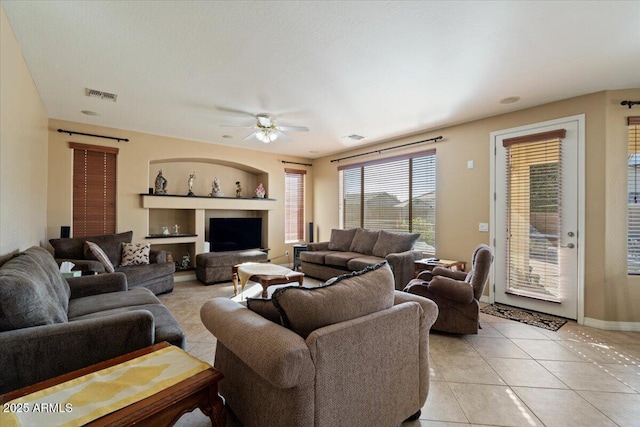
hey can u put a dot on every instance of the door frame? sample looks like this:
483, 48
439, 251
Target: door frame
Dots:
580, 118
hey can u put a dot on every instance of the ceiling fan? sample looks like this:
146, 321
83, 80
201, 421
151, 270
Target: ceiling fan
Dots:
267, 131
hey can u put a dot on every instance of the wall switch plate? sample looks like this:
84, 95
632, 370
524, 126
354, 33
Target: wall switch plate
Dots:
483, 226
469, 164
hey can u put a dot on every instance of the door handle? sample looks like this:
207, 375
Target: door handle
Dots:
570, 246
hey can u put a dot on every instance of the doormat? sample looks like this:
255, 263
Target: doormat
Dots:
545, 321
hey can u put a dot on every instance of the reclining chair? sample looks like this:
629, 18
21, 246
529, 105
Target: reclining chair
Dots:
456, 293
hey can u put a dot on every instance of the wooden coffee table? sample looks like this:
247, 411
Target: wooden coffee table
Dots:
161, 409
430, 263
266, 280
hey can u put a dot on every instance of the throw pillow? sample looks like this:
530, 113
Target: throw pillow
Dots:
364, 241
99, 254
346, 297
265, 308
135, 254
393, 243
341, 239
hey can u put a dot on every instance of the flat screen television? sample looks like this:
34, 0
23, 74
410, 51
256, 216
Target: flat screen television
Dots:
234, 234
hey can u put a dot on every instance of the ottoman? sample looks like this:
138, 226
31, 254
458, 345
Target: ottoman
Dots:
215, 267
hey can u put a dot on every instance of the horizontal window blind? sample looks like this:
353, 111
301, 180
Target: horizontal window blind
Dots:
94, 189
394, 194
294, 205
633, 200
534, 190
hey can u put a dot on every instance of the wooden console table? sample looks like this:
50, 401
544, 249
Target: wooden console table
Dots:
163, 408
430, 263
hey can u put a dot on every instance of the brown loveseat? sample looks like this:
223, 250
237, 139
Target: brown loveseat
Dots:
50, 326
156, 276
358, 248
354, 352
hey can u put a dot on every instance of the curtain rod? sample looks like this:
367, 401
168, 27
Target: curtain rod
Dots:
630, 103
434, 139
70, 132
296, 163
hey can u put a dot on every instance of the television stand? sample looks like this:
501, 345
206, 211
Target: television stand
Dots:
215, 267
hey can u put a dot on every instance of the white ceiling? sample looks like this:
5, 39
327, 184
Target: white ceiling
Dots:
381, 69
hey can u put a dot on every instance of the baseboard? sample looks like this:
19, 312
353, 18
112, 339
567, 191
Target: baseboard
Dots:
612, 326
184, 277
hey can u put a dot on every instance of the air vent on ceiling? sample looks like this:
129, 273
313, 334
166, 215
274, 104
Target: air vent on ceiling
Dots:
92, 93
355, 137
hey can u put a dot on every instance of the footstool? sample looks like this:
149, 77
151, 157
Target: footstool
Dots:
215, 267
265, 274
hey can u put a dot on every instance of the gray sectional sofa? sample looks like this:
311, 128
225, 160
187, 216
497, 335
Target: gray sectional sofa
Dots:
50, 326
357, 248
156, 276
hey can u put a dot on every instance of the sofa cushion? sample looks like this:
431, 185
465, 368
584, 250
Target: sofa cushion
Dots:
364, 241
345, 297
74, 248
362, 262
135, 254
265, 308
109, 301
315, 257
391, 243
341, 239
141, 273
340, 259
100, 255
32, 291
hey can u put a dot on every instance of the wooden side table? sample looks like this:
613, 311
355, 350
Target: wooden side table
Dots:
161, 409
429, 264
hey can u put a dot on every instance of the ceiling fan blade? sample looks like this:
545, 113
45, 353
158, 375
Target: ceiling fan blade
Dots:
293, 128
282, 136
264, 120
251, 135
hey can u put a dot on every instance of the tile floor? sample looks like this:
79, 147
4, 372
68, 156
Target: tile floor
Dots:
510, 374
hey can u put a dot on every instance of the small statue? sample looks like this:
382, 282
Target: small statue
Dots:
186, 261
238, 189
260, 191
192, 177
215, 189
161, 184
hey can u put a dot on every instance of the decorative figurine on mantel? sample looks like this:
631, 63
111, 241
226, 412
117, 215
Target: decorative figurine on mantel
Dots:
260, 191
161, 184
192, 178
238, 189
215, 189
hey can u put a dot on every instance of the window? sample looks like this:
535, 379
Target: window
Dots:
294, 205
393, 194
94, 189
633, 198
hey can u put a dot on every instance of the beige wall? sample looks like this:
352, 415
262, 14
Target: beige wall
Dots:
23, 151
138, 163
463, 198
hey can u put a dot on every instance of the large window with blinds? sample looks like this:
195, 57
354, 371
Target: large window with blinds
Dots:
94, 189
633, 199
294, 205
392, 194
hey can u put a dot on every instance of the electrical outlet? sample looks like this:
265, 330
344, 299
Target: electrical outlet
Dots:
286, 253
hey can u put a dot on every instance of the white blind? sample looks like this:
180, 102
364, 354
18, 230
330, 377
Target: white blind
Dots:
633, 201
294, 205
534, 207
393, 194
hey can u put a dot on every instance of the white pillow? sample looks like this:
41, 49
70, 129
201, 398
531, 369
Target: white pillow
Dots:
135, 254
100, 256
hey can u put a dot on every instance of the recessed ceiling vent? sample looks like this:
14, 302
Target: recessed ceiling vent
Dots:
355, 137
92, 93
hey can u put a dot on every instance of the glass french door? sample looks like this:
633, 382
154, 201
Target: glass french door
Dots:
536, 217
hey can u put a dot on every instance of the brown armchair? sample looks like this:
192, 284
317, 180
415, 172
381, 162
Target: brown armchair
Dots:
456, 293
